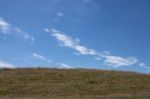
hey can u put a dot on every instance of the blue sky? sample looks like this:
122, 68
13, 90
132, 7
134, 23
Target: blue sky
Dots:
98, 34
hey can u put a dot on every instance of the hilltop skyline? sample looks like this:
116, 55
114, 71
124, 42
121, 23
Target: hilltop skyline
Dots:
97, 34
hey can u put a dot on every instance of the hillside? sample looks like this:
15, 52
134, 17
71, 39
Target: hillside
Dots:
72, 84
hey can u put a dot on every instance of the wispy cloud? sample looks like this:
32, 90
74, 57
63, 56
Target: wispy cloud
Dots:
8, 29
118, 61
58, 16
65, 66
106, 57
69, 42
72, 10
38, 56
4, 26
144, 66
5, 65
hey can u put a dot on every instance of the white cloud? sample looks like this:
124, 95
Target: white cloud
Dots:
24, 35
84, 51
69, 42
5, 65
46, 30
105, 56
38, 56
141, 64
59, 15
144, 66
64, 39
4, 26
118, 61
65, 66
7, 28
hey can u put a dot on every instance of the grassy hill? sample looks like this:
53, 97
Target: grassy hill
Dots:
72, 84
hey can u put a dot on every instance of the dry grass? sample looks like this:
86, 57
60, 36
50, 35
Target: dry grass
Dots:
72, 84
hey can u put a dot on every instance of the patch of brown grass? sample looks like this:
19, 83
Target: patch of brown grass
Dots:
72, 84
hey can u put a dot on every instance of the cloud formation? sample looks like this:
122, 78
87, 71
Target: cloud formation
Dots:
5, 65
4, 26
65, 66
59, 15
144, 66
38, 56
118, 61
69, 42
8, 29
72, 10
106, 57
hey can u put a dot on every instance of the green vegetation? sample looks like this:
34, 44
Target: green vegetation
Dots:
72, 84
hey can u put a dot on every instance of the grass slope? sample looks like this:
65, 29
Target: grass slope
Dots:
72, 84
